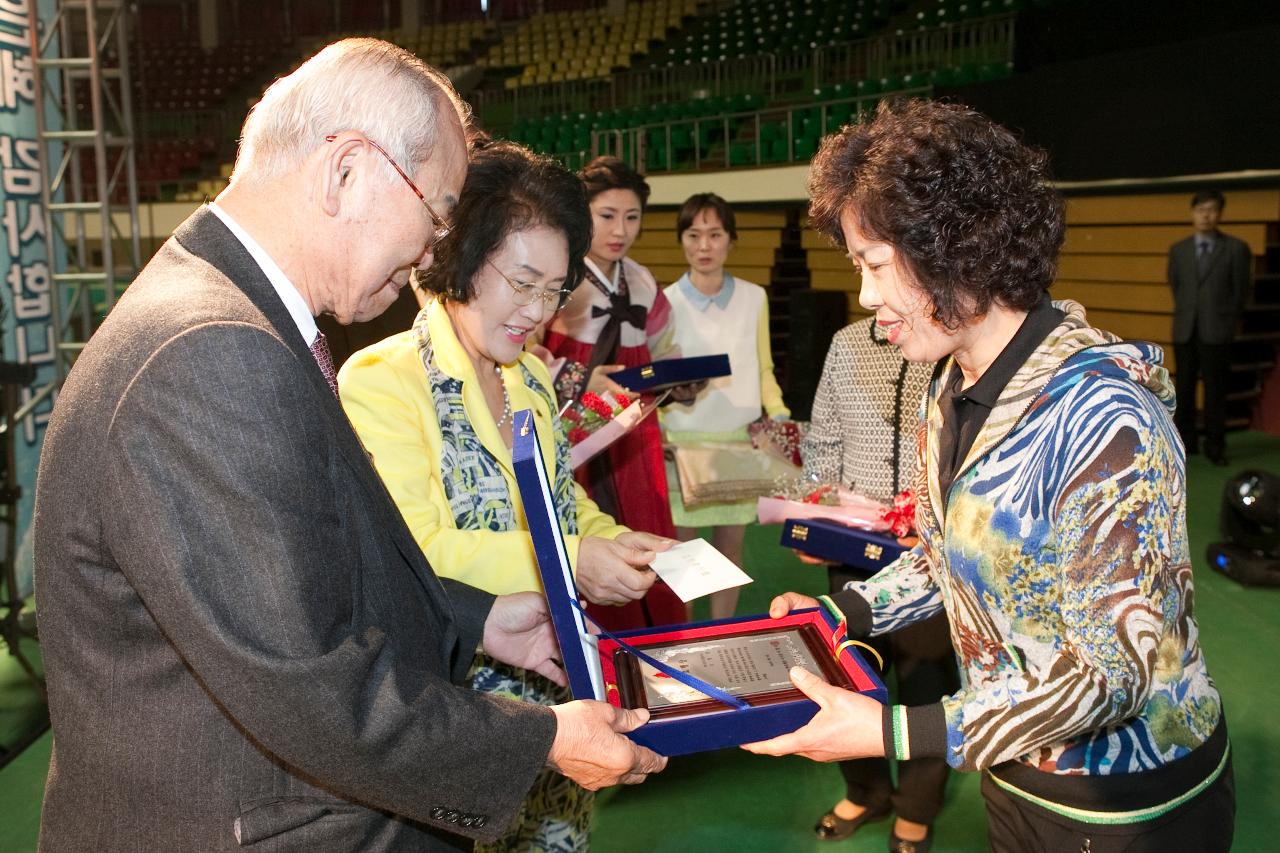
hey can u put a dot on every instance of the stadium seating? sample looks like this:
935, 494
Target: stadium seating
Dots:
778, 26
182, 93
562, 46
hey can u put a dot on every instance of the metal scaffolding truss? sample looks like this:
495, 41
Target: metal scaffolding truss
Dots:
84, 121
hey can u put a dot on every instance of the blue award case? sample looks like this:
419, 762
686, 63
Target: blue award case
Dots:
657, 375
831, 540
582, 657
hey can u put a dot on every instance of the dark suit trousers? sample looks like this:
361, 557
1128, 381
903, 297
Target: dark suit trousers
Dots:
923, 660
1212, 363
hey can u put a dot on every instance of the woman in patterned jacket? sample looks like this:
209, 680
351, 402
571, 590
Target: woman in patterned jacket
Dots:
1051, 513
862, 435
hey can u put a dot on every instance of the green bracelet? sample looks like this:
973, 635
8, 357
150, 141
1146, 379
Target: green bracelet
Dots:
901, 742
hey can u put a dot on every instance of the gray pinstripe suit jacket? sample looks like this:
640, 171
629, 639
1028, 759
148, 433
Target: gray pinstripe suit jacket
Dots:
244, 645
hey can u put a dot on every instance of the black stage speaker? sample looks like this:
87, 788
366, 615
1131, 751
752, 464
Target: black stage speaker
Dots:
816, 316
1250, 523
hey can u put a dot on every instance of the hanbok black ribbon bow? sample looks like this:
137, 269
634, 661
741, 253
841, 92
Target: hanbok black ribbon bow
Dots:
622, 311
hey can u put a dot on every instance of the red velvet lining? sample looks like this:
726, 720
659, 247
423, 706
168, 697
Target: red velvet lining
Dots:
851, 663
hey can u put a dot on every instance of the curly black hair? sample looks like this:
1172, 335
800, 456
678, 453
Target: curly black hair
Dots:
968, 208
508, 188
609, 173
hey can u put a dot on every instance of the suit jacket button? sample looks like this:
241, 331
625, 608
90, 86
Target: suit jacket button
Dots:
466, 821
437, 813
452, 816
480, 821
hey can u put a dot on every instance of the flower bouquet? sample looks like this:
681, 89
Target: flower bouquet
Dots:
780, 438
598, 420
901, 517
801, 498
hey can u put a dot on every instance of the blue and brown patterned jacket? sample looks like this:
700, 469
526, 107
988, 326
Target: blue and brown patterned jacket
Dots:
1061, 560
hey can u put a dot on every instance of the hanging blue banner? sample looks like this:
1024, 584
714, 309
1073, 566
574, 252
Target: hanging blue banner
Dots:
24, 257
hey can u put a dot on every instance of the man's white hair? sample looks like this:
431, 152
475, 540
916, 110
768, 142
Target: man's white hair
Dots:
358, 84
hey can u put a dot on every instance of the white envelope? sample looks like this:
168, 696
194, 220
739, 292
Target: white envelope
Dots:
695, 568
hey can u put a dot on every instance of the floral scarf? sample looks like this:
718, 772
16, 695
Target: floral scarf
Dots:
474, 485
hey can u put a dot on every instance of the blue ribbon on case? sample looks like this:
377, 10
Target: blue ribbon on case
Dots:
684, 678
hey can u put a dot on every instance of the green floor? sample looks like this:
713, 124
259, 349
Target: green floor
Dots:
731, 800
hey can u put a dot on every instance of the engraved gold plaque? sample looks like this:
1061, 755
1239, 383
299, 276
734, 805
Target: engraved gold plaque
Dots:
799, 533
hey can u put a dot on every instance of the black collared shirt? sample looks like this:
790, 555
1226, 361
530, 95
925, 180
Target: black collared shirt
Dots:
965, 411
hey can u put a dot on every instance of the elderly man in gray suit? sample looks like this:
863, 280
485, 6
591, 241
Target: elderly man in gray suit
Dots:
244, 645
1210, 273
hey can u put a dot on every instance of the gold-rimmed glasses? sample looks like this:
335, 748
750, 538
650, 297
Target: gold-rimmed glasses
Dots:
523, 293
441, 226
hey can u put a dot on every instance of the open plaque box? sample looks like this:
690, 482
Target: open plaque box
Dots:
746, 657
670, 372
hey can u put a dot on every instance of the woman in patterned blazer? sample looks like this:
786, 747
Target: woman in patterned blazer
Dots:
1051, 513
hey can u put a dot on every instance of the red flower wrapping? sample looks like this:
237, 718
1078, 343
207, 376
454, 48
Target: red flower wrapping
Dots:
577, 434
816, 496
623, 400
901, 518
596, 404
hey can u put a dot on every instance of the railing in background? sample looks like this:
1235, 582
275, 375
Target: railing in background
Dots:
501, 109
917, 51
984, 40
776, 136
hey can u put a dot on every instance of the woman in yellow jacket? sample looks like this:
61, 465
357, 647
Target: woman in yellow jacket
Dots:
433, 406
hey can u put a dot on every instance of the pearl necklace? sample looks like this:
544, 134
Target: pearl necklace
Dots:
506, 398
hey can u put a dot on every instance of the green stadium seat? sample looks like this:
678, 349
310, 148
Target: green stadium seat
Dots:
943, 77
772, 131
656, 156
890, 83
989, 71
682, 137
964, 75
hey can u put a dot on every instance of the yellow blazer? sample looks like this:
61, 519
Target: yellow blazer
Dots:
385, 392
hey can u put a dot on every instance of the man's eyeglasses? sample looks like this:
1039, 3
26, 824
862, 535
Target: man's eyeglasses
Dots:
525, 294
439, 223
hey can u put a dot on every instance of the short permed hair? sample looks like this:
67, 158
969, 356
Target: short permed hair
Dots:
699, 202
609, 173
508, 189
967, 207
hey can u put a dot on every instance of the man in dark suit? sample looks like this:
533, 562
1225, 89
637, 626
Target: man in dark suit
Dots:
244, 645
1210, 273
